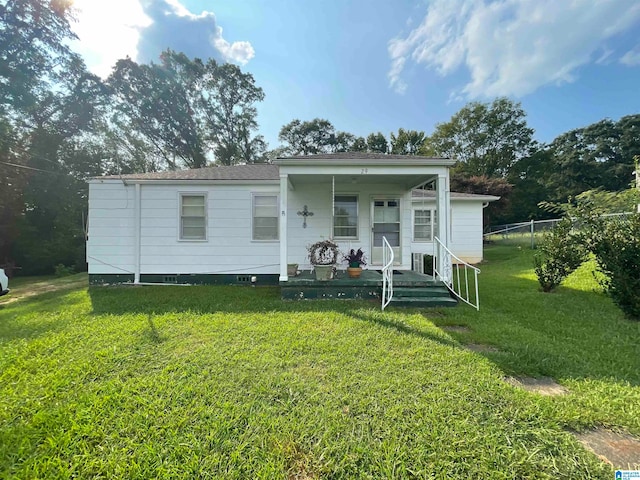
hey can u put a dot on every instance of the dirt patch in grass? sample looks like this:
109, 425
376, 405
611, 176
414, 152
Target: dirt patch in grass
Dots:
543, 386
620, 450
44, 286
300, 463
481, 348
456, 328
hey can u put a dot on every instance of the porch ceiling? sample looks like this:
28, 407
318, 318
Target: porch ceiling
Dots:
403, 181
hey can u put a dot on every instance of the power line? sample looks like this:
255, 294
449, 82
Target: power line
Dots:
32, 168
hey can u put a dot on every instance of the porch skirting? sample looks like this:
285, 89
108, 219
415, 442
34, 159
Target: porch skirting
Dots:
368, 286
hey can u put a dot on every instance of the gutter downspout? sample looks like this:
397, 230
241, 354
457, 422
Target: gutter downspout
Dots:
137, 228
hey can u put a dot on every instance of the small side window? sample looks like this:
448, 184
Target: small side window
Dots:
422, 225
193, 217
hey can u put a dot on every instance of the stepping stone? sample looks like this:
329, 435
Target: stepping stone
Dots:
456, 328
542, 386
621, 450
481, 348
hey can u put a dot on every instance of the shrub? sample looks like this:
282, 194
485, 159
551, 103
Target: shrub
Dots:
615, 242
561, 251
62, 270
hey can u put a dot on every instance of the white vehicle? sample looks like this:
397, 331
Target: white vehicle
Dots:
4, 283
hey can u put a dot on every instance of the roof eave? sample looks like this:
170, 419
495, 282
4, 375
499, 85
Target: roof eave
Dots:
185, 181
310, 161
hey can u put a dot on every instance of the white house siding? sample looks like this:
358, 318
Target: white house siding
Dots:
111, 242
317, 197
228, 249
466, 229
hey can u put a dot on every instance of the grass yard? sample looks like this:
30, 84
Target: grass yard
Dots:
231, 382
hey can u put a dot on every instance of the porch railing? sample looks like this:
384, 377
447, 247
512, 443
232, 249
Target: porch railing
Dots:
459, 277
387, 273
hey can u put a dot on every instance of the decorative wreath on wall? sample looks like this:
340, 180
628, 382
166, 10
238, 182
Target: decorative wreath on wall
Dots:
324, 252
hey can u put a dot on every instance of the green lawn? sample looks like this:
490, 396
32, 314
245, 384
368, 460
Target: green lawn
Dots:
231, 382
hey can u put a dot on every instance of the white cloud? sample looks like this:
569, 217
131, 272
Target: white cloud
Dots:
142, 29
175, 27
239, 52
632, 57
510, 47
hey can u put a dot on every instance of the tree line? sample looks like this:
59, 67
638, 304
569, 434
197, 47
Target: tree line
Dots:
60, 125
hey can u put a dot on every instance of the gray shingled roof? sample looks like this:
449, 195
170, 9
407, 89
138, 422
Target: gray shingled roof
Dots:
258, 171
469, 196
359, 155
235, 172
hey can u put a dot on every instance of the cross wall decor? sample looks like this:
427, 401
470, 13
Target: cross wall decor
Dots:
305, 213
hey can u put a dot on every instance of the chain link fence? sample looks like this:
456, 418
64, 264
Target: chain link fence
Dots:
525, 234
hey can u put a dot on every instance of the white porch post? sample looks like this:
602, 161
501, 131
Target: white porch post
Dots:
284, 190
443, 206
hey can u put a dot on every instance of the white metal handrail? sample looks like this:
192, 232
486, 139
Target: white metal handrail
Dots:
458, 280
387, 273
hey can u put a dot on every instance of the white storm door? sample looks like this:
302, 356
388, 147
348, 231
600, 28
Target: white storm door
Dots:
385, 222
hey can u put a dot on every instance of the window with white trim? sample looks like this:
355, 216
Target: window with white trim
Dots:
425, 225
265, 217
193, 216
345, 216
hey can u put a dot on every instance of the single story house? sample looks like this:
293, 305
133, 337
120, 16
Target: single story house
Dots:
235, 224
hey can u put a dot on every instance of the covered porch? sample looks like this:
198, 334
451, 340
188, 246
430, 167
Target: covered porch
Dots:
375, 192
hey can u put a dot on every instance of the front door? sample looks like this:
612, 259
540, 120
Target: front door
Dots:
385, 222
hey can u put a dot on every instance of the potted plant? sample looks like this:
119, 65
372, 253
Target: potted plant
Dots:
355, 259
292, 269
323, 256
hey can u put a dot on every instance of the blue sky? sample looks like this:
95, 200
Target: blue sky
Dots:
373, 65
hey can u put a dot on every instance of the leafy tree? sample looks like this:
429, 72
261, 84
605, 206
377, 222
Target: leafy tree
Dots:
313, 137
407, 142
229, 99
359, 145
482, 185
48, 104
181, 110
486, 139
377, 143
597, 156
528, 177
307, 138
34, 49
159, 102
342, 142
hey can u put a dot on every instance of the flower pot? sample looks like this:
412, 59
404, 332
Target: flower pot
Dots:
292, 269
323, 272
354, 272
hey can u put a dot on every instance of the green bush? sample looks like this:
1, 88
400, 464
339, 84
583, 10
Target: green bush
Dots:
561, 251
615, 242
62, 270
